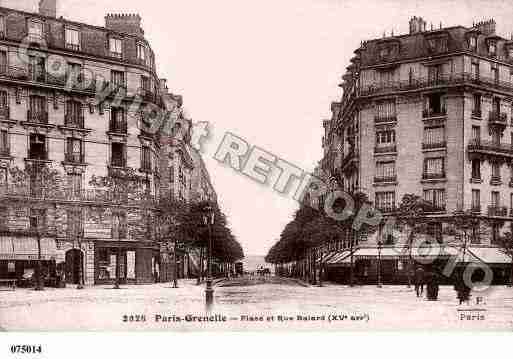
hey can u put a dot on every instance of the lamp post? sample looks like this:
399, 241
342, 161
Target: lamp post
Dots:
380, 246
208, 220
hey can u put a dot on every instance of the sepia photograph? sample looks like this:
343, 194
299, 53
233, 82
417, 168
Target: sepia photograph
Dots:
255, 166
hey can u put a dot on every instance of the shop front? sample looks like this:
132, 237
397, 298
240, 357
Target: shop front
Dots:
20, 256
139, 263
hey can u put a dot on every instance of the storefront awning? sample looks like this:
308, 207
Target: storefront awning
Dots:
26, 248
490, 255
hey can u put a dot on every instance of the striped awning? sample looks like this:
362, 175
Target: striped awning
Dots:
26, 248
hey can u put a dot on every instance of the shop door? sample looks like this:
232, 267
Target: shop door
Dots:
74, 258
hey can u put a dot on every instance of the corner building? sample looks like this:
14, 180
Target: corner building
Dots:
45, 120
427, 113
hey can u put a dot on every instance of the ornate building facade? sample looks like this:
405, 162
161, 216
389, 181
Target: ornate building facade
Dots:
428, 113
74, 98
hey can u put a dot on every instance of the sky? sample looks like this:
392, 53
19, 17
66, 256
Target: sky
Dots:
267, 71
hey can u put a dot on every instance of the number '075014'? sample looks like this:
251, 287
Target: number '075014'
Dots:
26, 349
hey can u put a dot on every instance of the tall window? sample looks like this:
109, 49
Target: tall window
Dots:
74, 114
145, 83
118, 78
472, 43
385, 201
4, 102
475, 70
386, 110
2, 26
4, 143
495, 72
116, 47
436, 197
476, 133
145, 158
118, 120
386, 137
75, 185
385, 170
74, 150
73, 39
476, 169
37, 68
495, 199
476, 200
75, 223
496, 171
119, 226
434, 168
37, 147
435, 73
118, 155
434, 136
4, 214
75, 73
3, 177
3, 62
141, 53
434, 104
476, 109
492, 48
37, 109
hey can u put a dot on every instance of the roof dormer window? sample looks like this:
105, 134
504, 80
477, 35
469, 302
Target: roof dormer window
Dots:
492, 48
472, 43
116, 47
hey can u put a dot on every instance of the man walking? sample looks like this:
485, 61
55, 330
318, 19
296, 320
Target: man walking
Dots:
419, 281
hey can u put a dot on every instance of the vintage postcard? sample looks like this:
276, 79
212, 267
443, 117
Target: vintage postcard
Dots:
307, 165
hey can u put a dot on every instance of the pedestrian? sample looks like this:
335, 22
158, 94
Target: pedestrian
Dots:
419, 281
462, 290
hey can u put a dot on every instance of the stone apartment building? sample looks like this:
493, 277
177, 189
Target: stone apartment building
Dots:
428, 113
71, 98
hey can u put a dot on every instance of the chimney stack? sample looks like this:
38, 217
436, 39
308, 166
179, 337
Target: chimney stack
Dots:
48, 8
163, 85
417, 24
487, 27
126, 23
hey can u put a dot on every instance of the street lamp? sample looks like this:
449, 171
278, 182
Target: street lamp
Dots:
380, 246
208, 220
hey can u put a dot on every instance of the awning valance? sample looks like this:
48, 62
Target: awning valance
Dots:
26, 248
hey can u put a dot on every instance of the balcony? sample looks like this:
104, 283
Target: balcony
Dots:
453, 79
475, 209
147, 95
385, 119
73, 121
497, 211
433, 176
118, 127
117, 55
74, 158
386, 149
434, 145
489, 148
37, 155
38, 117
45, 79
495, 181
477, 113
385, 179
429, 113
497, 119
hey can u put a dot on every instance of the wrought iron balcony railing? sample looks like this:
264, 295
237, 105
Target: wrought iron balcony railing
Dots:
434, 145
497, 211
385, 119
497, 118
73, 47
434, 113
490, 147
45, 78
477, 113
461, 78
385, 149
433, 176
385, 179
74, 158
74, 121
5, 152
37, 117
116, 126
